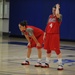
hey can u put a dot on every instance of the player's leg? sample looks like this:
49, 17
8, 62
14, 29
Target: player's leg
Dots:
47, 48
48, 57
39, 49
60, 65
58, 52
38, 63
26, 62
39, 54
46, 63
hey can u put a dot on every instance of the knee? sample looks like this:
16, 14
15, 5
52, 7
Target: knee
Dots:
29, 46
38, 47
48, 51
58, 52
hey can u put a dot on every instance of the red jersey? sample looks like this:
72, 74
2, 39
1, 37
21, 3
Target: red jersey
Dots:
33, 30
53, 24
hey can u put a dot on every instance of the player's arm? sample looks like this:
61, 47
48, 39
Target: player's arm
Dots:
44, 35
31, 34
48, 19
57, 12
58, 15
27, 37
34, 38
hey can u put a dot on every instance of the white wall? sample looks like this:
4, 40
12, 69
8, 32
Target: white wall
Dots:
6, 15
1, 24
4, 23
6, 10
1, 8
5, 27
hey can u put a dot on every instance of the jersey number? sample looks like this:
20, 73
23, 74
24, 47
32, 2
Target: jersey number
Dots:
51, 25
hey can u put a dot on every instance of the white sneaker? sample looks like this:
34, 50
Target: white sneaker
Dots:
44, 65
60, 67
38, 64
25, 63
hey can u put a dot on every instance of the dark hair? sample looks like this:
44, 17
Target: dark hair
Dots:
23, 23
54, 6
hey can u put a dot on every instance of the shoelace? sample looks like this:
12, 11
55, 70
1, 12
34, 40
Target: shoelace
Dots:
60, 65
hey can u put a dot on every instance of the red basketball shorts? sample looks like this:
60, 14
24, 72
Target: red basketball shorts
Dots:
52, 42
40, 40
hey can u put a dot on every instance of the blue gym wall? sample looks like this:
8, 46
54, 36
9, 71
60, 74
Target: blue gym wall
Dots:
36, 12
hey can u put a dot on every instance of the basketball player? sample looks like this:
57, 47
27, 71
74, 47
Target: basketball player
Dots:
52, 37
34, 36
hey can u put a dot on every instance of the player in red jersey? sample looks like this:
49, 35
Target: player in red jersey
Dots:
34, 36
52, 36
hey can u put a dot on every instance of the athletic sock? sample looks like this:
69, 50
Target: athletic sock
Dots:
47, 60
39, 60
60, 61
27, 59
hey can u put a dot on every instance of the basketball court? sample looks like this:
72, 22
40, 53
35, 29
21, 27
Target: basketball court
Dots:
13, 52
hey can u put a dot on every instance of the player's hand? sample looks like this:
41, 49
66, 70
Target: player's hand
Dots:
57, 6
29, 44
38, 44
44, 36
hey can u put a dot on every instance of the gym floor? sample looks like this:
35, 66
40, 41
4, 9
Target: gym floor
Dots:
13, 52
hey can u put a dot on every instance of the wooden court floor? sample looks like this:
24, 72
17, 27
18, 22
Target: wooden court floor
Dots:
13, 52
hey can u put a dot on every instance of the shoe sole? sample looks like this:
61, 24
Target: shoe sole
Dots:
60, 69
25, 64
37, 65
44, 66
